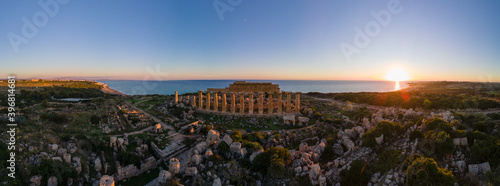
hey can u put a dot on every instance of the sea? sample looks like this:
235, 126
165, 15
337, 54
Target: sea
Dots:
130, 87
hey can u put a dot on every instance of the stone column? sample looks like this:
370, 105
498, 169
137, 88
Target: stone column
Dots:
297, 102
200, 98
193, 102
208, 101
288, 102
242, 102
261, 102
280, 102
216, 102
224, 103
233, 103
250, 103
270, 103
176, 98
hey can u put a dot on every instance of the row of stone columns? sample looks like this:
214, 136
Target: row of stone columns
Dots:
260, 102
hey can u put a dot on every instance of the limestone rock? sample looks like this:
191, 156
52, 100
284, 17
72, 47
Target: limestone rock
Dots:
289, 119
112, 141
227, 139
461, 165
351, 133
212, 137
338, 150
191, 171
348, 144
463, 141
36, 180
52, 181
67, 158
208, 153
303, 147
174, 166
303, 120
255, 154
217, 182
380, 139
314, 173
322, 180
163, 177
196, 159
474, 169
107, 181
97, 164
298, 169
484, 167
456, 141
235, 147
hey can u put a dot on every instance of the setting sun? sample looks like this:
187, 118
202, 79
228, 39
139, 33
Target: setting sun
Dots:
397, 74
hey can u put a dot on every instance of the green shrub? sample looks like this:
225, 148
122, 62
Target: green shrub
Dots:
458, 134
255, 137
236, 136
356, 175
443, 142
388, 159
416, 134
223, 147
409, 124
389, 129
476, 135
438, 123
487, 150
495, 116
480, 126
425, 171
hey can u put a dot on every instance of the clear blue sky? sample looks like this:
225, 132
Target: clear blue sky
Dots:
258, 39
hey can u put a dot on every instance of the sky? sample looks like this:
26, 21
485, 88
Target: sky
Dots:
454, 40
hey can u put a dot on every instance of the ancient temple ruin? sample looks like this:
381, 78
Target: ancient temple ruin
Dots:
246, 98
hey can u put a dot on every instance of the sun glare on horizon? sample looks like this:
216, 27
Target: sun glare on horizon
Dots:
397, 74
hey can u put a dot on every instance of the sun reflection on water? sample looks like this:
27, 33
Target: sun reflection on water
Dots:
396, 87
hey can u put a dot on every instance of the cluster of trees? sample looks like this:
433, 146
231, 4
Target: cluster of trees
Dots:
414, 99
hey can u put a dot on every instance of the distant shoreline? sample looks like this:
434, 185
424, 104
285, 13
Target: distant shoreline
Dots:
108, 90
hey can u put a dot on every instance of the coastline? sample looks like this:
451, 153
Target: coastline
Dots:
108, 90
